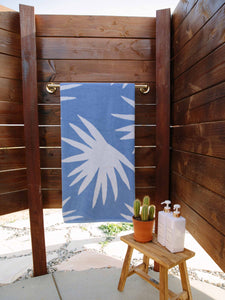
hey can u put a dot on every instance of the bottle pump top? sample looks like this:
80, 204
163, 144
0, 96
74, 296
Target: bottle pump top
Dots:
176, 212
167, 207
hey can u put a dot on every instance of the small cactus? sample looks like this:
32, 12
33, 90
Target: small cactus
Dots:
152, 212
146, 200
137, 205
144, 213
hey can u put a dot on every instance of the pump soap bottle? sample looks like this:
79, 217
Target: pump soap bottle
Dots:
162, 222
175, 231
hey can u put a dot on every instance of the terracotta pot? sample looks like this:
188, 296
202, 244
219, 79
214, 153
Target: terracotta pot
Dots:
143, 230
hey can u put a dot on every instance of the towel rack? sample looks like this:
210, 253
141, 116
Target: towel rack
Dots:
51, 87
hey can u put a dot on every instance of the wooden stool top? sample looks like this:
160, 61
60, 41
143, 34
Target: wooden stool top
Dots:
157, 252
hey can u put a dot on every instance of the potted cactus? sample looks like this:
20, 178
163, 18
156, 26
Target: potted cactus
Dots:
143, 220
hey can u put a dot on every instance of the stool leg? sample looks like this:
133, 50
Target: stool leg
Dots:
125, 269
146, 262
163, 283
184, 279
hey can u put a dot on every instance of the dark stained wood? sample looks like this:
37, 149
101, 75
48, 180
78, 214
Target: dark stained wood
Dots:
141, 192
209, 205
13, 202
29, 75
96, 70
13, 181
163, 24
181, 11
208, 72
12, 159
9, 43
11, 113
198, 16
206, 235
45, 98
9, 20
50, 136
11, 90
144, 177
50, 114
200, 45
51, 157
10, 66
204, 170
11, 136
95, 26
205, 139
94, 48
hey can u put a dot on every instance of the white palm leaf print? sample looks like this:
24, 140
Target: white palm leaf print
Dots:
69, 218
99, 158
128, 217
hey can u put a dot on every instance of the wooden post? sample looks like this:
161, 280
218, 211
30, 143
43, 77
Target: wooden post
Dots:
163, 35
31, 133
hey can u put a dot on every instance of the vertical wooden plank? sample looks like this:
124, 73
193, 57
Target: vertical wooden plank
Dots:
31, 133
125, 268
163, 21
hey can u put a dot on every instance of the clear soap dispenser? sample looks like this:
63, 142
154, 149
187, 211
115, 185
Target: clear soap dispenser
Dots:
175, 231
162, 222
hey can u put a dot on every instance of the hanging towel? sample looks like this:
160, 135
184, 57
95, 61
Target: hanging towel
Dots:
97, 138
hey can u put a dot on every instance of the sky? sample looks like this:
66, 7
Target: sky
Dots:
145, 8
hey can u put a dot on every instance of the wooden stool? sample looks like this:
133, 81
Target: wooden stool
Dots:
164, 258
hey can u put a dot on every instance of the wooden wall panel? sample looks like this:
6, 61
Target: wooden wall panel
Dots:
13, 201
198, 119
11, 90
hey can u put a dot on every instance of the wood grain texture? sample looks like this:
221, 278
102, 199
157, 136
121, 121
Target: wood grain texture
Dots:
207, 139
95, 26
11, 90
163, 25
204, 170
206, 235
198, 16
206, 40
9, 20
11, 136
96, 70
181, 11
9, 43
12, 181
12, 159
45, 98
95, 48
206, 73
11, 113
10, 66
13, 202
31, 133
50, 114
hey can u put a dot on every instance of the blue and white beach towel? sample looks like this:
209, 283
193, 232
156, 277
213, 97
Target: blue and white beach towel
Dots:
97, 131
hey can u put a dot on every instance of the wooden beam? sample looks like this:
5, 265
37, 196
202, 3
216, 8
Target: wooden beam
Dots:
31, 133
163, 21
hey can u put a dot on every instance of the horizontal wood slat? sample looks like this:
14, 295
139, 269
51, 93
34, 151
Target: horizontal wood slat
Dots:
50, 136
9, 43
12, 159
96, 70
200, 45
51, 178
181, 11
204, 170
46, 98
50, 114
208, 139
95, 26
51, 157
11, 136
198, 16
206, 235
9, 20
53, 198
10, 66
13, 181
208, 72
11, 113
11, 90
93, 48
209, 205
13, 202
